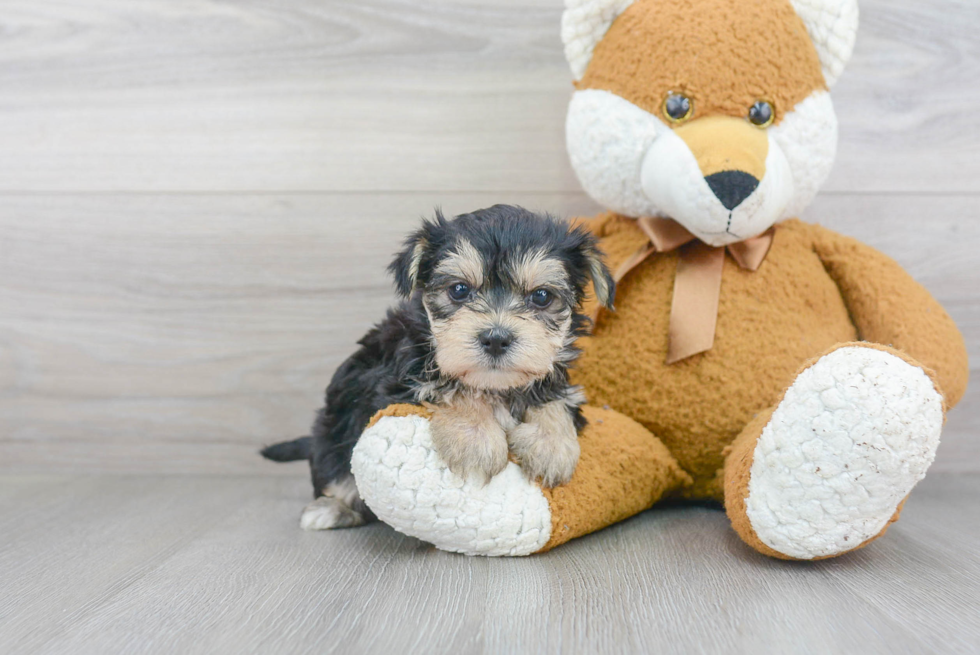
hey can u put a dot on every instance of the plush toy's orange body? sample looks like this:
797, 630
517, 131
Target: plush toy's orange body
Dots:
796, 307
794, 374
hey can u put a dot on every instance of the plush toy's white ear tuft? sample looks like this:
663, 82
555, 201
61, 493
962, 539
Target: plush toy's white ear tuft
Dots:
833, 26
583, 25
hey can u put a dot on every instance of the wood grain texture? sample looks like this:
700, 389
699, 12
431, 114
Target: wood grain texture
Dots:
207, 95
170, 564
164, 333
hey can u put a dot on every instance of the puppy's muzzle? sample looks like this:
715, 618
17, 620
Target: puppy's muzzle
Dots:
496, 341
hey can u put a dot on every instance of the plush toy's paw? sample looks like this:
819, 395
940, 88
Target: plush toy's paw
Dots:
408, 486
469, 441
852, 436
547, 444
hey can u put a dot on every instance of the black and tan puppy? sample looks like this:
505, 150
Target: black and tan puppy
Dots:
485, 337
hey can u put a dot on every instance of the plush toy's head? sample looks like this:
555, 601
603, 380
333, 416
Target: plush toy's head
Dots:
715, 113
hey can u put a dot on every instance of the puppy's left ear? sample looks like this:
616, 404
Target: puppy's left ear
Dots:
409, 265
602, 279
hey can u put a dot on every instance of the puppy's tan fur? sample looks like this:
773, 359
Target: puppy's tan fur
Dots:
475, 432
546, 444
536, 269
469, 437
464, 263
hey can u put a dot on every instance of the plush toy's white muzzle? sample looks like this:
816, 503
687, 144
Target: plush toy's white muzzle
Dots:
632, 162
723, 207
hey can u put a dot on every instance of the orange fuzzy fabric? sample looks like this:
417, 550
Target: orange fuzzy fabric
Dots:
622, 471
725, 56
803, 301
401, 411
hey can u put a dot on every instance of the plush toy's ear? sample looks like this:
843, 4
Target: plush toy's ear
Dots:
583, 25
832, 26
409, 265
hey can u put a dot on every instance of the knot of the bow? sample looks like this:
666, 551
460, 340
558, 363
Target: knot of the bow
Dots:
697, 283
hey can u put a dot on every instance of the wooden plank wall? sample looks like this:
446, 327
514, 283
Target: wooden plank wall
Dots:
198, 198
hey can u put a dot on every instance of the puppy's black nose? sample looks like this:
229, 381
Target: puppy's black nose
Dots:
496, 341
732, 187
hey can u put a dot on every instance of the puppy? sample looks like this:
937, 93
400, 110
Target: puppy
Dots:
484, 336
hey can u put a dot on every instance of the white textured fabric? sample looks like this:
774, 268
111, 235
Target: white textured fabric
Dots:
607, 138
832, 26
407, 485
631, 162
807, 137
854, 433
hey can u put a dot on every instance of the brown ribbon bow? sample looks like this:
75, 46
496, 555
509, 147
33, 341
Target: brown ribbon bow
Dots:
697, 283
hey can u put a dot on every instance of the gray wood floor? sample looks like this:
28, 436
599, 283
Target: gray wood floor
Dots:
170, 564
197, 202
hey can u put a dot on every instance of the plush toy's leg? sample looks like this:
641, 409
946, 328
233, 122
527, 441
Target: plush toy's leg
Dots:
623, 469
827, 470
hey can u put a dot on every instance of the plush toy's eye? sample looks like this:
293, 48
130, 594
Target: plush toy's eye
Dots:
678, 108
459, 292
541, 298
762, 114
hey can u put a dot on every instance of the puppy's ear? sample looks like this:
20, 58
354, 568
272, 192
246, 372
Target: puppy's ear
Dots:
410, 265
589, 263
586, 247
602, 279
405, 267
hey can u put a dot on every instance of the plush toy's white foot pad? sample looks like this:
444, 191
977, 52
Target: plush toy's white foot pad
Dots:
853, 435
407, 485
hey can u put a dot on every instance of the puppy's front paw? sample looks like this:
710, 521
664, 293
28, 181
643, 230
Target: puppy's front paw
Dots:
547, 444
544, 456
469, 442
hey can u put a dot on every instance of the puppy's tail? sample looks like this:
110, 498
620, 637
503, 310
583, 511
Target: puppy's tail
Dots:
289, 451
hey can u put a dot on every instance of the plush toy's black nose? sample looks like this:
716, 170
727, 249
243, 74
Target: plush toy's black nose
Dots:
496, 341
732, 187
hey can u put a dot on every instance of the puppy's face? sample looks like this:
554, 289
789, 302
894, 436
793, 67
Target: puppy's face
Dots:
501, 288
499, 320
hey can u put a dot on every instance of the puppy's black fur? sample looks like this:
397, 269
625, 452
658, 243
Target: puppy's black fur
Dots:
396, 362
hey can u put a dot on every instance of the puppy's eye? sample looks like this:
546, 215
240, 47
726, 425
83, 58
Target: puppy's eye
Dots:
459, 292
678, 108
541, 298
762, 114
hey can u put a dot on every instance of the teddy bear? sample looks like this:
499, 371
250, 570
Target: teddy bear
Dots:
795, 375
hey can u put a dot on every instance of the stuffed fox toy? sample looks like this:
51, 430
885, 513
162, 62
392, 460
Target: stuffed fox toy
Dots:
796, 375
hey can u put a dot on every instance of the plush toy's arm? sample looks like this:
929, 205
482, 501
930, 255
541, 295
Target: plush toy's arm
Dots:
890, 308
